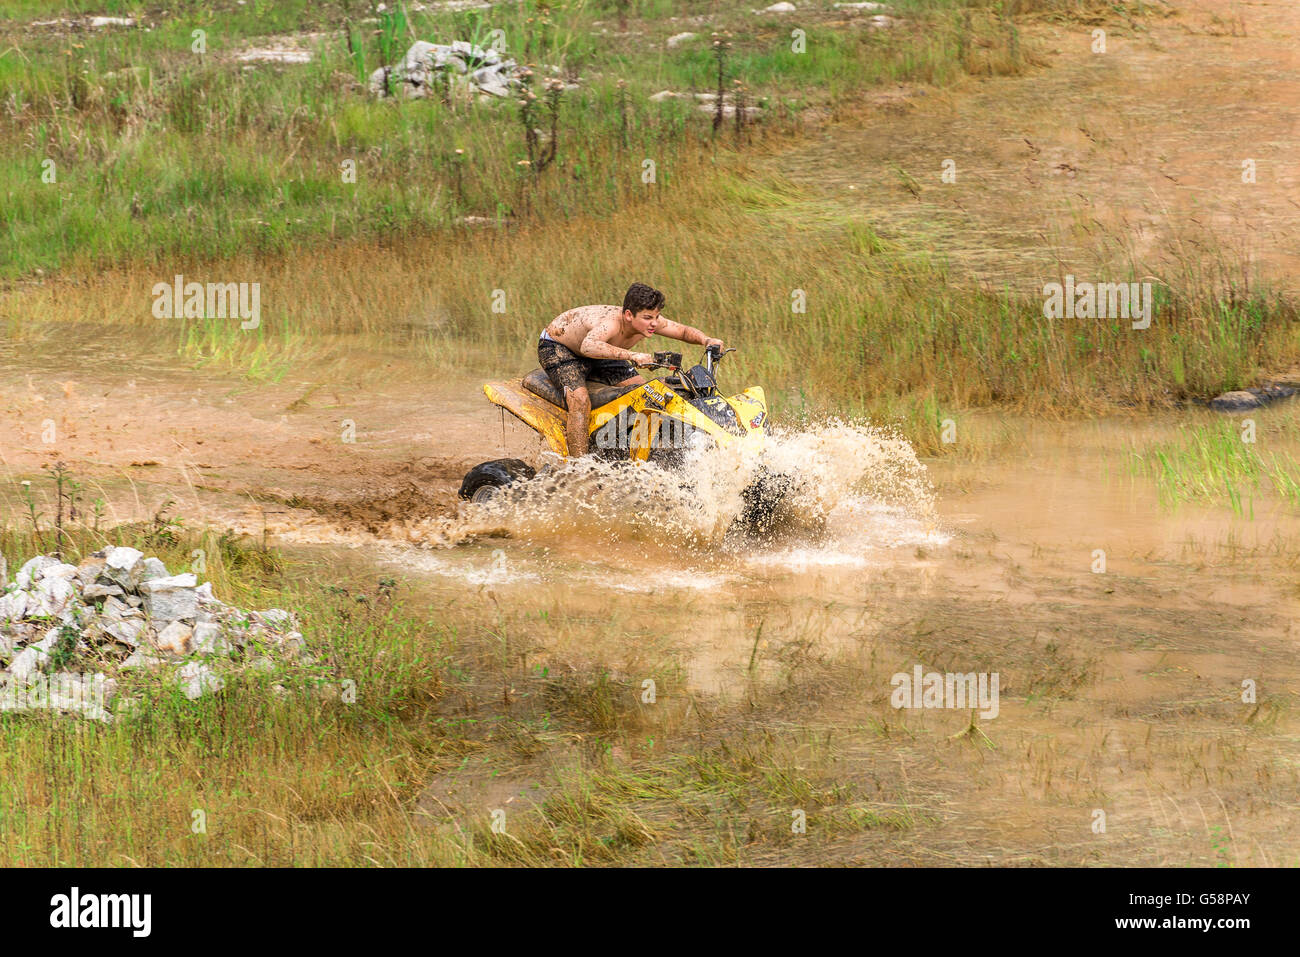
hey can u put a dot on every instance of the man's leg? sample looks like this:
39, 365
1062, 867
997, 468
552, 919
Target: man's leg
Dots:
617, 372
575, 433
568, 373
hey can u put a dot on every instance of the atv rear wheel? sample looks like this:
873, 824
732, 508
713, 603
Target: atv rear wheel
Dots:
483, 482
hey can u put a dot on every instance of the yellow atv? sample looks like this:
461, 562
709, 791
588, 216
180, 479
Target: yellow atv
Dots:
657, 421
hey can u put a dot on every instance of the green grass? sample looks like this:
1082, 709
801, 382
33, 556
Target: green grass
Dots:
278, 769
170, 162
160, 152
1219, 463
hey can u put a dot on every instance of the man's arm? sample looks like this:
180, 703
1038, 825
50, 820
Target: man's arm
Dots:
675, 330
596, 344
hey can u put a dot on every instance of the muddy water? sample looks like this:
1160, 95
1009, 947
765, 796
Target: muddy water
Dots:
1121, 688
1060, 518
1123, 631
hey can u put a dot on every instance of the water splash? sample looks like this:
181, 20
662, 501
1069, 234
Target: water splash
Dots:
822, 468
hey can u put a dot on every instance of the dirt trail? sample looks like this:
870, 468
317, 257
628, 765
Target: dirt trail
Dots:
358, 445
1096, 161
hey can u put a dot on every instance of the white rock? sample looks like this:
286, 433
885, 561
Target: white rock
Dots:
31, 572
122, 566
665, 95
88, 571
88, 695
204, 594
142, 658
274, 55
415, 75
678, 39
494, 88
275, 617
153, 568
167, 599
484, 73
126, 632
175, 639
471, 51
51, 597
104, 688
13, 605
782, 7
59, 570
115, 610
861, 6
729, 110
291, 644
112, 22
27, 662
46, 644
378, 82
196, 679
209, 640
97, 590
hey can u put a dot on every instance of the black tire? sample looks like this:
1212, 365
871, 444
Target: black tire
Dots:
762, 499
485, 480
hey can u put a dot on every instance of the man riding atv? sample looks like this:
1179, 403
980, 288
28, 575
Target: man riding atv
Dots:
594, 343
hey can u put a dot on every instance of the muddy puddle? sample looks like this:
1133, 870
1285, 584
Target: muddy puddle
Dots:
1063, 521
1125, 629
1146, 651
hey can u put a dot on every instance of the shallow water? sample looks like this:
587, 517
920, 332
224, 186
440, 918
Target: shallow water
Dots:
1121, 687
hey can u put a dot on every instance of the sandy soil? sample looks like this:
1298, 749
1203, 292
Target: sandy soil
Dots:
1094, 163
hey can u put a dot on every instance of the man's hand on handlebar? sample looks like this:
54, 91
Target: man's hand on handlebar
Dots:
642, 359
713, 342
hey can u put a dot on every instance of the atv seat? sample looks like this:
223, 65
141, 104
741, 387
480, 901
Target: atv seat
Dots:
539, 384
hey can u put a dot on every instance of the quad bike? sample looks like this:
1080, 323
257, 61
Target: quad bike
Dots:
657, 421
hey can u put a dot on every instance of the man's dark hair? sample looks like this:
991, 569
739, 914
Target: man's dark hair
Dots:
640, 296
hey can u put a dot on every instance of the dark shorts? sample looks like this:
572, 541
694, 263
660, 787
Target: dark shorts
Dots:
569, 371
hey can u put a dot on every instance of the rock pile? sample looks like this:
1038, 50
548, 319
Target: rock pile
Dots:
708, 103
119, 610
458, 64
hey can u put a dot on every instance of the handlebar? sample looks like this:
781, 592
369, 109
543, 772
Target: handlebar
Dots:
712, 356
672, 361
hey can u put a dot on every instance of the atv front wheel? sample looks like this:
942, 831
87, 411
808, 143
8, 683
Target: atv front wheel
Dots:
484, 481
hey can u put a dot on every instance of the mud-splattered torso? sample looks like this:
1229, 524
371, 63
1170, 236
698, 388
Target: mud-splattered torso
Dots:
570, 328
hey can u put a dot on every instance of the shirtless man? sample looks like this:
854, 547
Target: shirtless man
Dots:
593, 342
